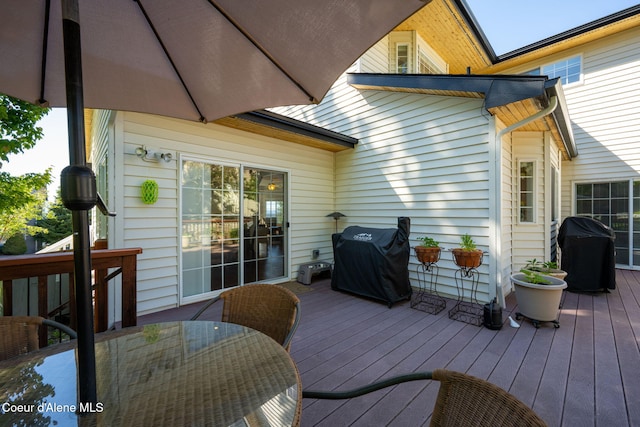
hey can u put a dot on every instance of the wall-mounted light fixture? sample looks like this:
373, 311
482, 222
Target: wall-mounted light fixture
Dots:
150, 155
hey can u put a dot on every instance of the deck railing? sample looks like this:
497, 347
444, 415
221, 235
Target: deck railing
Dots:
124, 261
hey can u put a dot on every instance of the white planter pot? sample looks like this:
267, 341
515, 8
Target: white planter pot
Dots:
538, 302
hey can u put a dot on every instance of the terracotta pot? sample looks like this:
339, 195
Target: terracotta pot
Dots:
538, 301
427, 255
467, 259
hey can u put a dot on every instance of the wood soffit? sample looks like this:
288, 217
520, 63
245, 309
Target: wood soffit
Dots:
442, 26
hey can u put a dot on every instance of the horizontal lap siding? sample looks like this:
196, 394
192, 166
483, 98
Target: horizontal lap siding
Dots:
155, 228
375, 59
422, 157
604, 112
529, 239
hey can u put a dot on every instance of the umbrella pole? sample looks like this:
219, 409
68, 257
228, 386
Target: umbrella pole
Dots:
79, 195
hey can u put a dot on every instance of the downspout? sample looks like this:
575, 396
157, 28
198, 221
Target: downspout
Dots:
497, 243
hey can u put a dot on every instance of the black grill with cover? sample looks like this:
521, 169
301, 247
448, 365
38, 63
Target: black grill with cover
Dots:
588, 254
373, 262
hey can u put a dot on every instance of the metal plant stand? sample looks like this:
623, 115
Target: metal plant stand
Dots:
426, 298
470, 310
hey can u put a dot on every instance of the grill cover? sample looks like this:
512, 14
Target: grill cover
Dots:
588, 254
373, 262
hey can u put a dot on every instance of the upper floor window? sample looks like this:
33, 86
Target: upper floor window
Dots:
402, 58
569, 70
409, 54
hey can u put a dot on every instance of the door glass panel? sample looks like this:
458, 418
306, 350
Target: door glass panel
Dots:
263, 224
210, 213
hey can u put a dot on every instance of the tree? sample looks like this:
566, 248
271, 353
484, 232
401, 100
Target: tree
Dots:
18, 130
57, 222
22, 198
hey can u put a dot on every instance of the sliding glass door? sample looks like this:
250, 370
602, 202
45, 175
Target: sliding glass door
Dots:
616, 204
233, 228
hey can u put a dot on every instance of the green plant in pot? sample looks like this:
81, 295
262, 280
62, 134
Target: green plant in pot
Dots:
538, 296
467, 255
428, 251
547, 268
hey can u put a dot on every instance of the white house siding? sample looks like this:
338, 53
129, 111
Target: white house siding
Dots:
375, 59
423, 157
604, 110
155, 228
529, 239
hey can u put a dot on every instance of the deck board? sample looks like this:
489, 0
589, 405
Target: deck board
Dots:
585, 373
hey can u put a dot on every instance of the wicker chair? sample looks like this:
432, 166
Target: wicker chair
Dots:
462, 400
270, 309
19, 334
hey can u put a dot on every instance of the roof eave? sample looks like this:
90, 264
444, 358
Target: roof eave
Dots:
569, 34
498, 90
272, 124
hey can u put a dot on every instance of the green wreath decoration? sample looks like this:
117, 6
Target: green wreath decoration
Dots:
149, 192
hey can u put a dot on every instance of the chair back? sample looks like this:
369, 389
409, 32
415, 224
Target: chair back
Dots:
464, 400
18, 335
270, 309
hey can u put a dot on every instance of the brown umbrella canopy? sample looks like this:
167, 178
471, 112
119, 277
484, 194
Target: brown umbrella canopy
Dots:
191, 59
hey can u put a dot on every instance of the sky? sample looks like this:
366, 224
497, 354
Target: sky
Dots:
507, 24
512, 24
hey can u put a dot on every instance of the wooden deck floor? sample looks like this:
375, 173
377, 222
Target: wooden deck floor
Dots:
585, 373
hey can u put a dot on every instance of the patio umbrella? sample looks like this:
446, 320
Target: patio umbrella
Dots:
191, 59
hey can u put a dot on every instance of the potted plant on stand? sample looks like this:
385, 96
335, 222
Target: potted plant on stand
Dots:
428, 251
538, 296
547, 268
467, 255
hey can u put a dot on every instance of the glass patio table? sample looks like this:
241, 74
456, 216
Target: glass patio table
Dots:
174, 373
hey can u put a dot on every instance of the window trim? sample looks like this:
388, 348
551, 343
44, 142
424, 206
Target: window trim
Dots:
534, 191
408, 57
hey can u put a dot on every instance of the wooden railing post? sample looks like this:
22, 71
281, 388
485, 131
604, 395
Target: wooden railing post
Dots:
129, 291
43, 307
7, 297
44, 265
101, 312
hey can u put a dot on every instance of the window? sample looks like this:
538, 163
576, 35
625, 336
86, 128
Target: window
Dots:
526, 175
410, 54
402, 58
569, 70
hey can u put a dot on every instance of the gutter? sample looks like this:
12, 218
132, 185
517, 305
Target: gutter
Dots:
497, 247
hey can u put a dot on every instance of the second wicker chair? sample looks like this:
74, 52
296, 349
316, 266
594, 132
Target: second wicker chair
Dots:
20, 334
463, 400
270, 309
